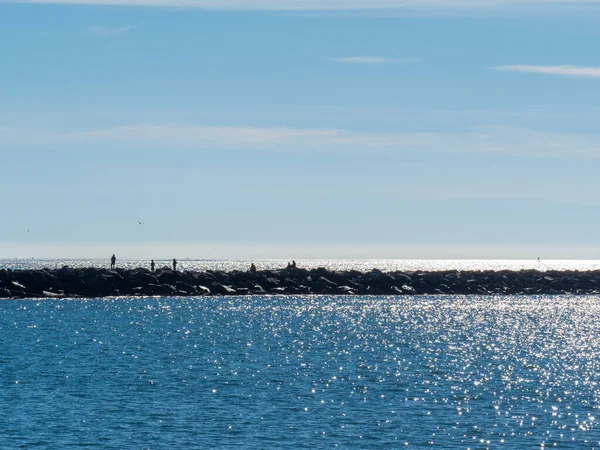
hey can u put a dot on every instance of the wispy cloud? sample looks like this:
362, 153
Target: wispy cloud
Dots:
104, 31
565, 71
490, 139
332, 5
199, 134
372, 60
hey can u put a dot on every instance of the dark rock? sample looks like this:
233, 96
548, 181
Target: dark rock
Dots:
161, 289
142, 278
100, 284
167, 276
324, 286
304, 290
402, 277
269, 283
91, 282
222, 289
185, 288
327, 282
258, 289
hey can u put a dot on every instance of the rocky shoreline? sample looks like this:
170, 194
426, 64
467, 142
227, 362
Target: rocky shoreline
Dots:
96, 283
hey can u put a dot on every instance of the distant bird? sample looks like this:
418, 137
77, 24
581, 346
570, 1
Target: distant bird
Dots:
28, 231
141, 223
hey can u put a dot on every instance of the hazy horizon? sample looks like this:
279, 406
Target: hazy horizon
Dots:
216, 251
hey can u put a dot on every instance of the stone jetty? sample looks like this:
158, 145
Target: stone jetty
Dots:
94, 283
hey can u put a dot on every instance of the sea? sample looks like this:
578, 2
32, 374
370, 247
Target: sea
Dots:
363, 265
319, 372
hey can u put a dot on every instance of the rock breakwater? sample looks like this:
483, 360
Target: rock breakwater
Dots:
93, 283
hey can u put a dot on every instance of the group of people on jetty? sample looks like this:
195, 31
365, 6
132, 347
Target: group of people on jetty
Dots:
113, 264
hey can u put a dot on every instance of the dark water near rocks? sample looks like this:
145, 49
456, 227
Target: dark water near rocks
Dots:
298, 372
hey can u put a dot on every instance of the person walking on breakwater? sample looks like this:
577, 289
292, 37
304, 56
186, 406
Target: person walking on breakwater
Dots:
113, 261
152, 265
174, 264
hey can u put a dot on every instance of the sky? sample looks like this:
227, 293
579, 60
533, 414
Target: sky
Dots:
300, 129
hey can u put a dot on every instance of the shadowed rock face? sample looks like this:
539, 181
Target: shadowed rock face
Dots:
91, 283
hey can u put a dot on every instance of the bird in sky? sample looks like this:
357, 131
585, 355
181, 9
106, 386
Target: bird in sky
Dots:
141, 223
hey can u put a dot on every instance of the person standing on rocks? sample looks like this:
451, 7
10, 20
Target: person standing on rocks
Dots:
152, 265
113, 261
252, 268
174, 264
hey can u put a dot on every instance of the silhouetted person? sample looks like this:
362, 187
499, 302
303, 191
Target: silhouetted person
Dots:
252, 268
289, 266
174, 264
113, 261
152, 265
293, 264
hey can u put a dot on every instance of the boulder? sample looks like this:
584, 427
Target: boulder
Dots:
94, 282
167, 276
185, 288
165, 290
402, 277
269, 283
100, 285
142, 278
221, 289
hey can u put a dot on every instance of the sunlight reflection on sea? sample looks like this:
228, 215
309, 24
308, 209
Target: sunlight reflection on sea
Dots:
362, 265
301, 372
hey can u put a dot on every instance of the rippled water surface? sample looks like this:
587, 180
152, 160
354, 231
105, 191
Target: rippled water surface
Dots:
298, 372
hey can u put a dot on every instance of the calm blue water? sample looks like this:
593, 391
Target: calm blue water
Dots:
290, 372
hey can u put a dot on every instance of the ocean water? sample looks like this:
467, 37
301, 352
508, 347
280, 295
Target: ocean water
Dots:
301, 372
386, 265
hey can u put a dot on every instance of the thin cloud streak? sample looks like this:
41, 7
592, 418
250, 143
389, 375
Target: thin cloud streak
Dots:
477, 140
331, 5
104, 31
216, 135
372, 60
564, 70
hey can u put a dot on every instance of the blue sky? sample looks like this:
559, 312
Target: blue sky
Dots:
264, 128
